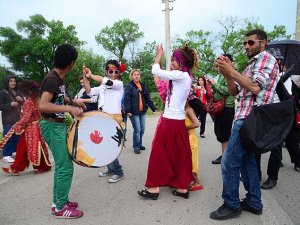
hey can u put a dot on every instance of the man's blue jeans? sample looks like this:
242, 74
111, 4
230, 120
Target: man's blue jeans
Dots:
138, 125
115, 168
236, 161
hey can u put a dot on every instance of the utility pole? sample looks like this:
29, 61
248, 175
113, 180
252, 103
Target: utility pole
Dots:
167, 32
297, 35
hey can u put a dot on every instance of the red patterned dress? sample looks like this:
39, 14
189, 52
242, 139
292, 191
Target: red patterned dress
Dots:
31, 147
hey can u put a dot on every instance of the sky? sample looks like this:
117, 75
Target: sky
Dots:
90, 16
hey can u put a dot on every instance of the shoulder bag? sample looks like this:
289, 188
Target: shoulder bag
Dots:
268, 125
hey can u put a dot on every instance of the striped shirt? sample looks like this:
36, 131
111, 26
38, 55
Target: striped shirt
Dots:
263, 70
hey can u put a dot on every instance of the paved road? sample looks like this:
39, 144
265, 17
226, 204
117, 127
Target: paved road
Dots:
26, 199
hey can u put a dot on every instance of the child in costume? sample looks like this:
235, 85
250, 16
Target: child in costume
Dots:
31, 147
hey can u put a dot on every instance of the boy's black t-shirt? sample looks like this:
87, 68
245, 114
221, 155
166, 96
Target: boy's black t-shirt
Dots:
54, 83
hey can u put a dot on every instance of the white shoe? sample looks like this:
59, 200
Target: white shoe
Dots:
14, 155
116, 178
8, 159
104, 173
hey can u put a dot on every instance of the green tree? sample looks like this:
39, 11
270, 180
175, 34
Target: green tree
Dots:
30, 49
232, 36
202, 41
115, 39
143, 61
95, 62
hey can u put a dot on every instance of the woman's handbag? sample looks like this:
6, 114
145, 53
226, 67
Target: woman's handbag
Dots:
268, 125
215, 107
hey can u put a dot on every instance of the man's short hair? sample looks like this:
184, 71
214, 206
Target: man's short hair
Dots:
64, 54
112, 62
260, 34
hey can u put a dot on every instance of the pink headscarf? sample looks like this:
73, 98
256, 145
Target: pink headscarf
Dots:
180, 59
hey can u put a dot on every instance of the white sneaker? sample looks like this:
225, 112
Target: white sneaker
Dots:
8, 159
14, 155
116, 178
104, 173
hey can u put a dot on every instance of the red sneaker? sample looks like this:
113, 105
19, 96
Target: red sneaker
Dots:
68, 212
72, 204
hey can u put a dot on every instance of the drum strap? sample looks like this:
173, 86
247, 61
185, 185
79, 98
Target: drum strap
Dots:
75, 140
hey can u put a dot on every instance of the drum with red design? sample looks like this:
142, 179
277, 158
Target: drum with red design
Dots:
95, 140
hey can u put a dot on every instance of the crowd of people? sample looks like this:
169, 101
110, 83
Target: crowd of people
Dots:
34, 118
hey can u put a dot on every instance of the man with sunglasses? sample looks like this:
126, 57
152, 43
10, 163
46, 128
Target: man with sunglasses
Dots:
256, 85
110, 94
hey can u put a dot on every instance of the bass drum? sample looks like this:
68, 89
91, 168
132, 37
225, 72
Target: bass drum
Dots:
95, 139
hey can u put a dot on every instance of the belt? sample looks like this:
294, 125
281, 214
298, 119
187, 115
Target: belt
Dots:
57, 120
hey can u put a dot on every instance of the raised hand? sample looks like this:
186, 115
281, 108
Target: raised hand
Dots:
87, 73
159, 53
159, 50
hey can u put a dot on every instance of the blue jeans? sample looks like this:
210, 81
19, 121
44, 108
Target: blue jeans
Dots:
125, 122
11, 145
138, 124
236, 161
115, 168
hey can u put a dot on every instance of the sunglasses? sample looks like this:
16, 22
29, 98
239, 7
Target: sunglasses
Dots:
113, 71
251, 42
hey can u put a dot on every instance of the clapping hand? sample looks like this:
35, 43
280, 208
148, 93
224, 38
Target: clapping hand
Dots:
159, 53
224, 65
159, 50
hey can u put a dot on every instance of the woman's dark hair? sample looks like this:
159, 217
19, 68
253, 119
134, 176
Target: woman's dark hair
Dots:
196, 105
30, 89
204, 80
190, 56
64, 55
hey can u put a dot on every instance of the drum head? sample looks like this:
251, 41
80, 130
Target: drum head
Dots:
95, 140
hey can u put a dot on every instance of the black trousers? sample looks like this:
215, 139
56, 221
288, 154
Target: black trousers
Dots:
292, 145
202, 119
273, 164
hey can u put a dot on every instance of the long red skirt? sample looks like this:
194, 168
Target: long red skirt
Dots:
22, 158
170, 162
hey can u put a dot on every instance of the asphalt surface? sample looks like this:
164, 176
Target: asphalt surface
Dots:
26, 199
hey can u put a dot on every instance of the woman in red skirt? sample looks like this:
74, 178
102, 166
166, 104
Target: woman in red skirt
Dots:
31, 147
170, 162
